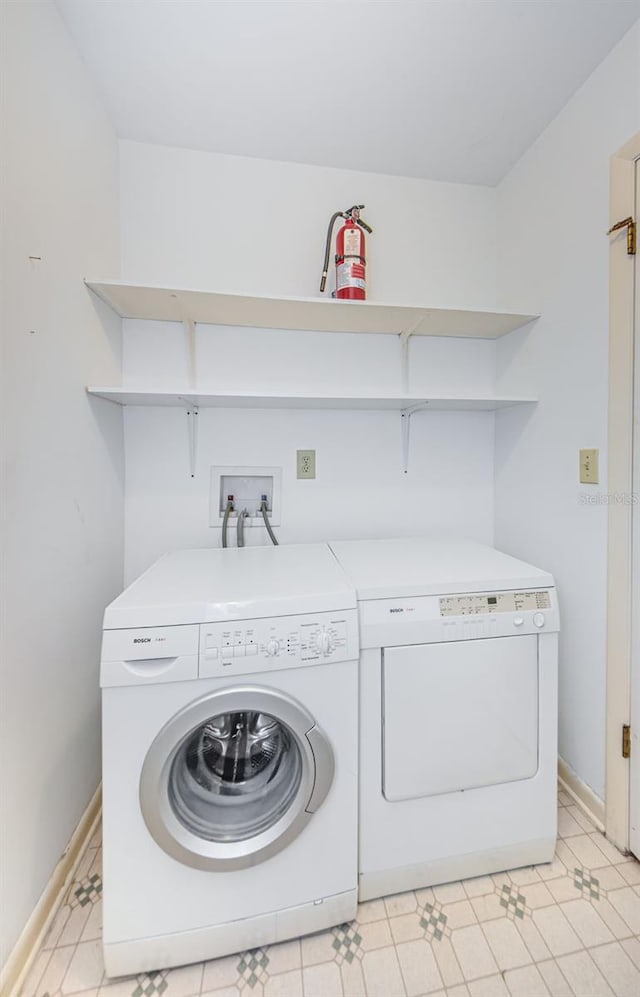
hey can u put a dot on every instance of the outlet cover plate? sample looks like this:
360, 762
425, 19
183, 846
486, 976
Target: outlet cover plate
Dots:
306, 463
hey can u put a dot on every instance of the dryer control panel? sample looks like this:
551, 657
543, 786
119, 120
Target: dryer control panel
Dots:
495, 602
244, 646
468, 616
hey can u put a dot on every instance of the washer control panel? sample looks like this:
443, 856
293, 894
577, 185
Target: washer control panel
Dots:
244, 646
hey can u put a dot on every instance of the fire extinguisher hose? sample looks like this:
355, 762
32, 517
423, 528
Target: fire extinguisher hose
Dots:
327, 248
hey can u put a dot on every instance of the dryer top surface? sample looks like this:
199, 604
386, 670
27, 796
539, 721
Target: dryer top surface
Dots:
413, 566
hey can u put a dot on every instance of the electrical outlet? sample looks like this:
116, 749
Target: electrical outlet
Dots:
589, 467
306, 463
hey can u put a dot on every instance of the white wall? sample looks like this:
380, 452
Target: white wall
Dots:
63, 467
553, 215
197, 219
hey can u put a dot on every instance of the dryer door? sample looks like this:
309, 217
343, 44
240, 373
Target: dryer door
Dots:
234, 777
459, 715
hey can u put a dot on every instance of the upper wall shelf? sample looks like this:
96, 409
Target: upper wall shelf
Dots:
305, 314
210, 399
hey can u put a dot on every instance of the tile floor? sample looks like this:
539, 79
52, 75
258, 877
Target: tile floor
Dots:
569, 928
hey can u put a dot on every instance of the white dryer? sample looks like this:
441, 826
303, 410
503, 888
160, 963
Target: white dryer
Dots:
458, 711
229, 754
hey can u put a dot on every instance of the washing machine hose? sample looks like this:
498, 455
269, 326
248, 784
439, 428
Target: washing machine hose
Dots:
225, 523
263, 510
241, 518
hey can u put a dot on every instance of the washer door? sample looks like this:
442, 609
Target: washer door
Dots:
234, 777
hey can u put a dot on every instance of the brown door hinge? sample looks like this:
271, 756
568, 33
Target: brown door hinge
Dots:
630, 226
626, 741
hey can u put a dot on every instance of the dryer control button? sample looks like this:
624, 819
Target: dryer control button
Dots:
518, 621
538, 619
273, 647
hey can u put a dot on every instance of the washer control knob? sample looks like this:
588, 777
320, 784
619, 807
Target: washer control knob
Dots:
518, 621
273, 647
324, 643
538, 619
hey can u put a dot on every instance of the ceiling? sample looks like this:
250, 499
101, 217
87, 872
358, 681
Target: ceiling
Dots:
440, 89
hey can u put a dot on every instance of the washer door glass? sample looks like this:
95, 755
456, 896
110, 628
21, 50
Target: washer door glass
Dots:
235, 776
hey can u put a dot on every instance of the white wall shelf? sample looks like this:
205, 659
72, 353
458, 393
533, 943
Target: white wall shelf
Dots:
189, 398
302, 314
193, 401
191, 307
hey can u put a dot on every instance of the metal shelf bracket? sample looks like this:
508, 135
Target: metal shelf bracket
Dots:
190, 332
405, 425
192, 430
404, 337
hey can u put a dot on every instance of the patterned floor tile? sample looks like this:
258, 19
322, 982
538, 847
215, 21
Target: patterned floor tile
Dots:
459, 914
323, 980
473, 952
583, 975
554, 979
433, 922
529, 932
86, 969
556, 931
284, 984
618, 969
86, 892
375, 935
587, 884
627, 903
586, 922
491, 986
419, 968
371, 910
220, 973
567, 824
448, 963
353, 984
382, 974
347, 943
532, 938
284, 957
513, 901
506, 944
630, 872
406, 928
151, 984
526, 982
400, 903
252, 968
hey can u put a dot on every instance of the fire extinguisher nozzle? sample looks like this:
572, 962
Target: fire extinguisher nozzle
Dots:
323, 282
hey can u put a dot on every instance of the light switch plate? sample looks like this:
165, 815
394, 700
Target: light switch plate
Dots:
589, 471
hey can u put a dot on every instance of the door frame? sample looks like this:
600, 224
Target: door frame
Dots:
620, 482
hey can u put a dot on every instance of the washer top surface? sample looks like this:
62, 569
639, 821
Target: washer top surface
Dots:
206, 586
413, 566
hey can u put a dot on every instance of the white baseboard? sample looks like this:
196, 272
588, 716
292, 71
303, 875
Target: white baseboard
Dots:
584, 797
17, 966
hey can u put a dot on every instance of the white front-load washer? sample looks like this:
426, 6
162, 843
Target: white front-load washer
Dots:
230, 710
458, 711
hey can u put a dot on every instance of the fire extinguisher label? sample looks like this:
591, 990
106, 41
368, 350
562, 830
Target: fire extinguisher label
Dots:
352, 242
350, 274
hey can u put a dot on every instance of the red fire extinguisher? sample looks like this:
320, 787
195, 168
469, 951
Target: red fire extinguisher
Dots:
350, 255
